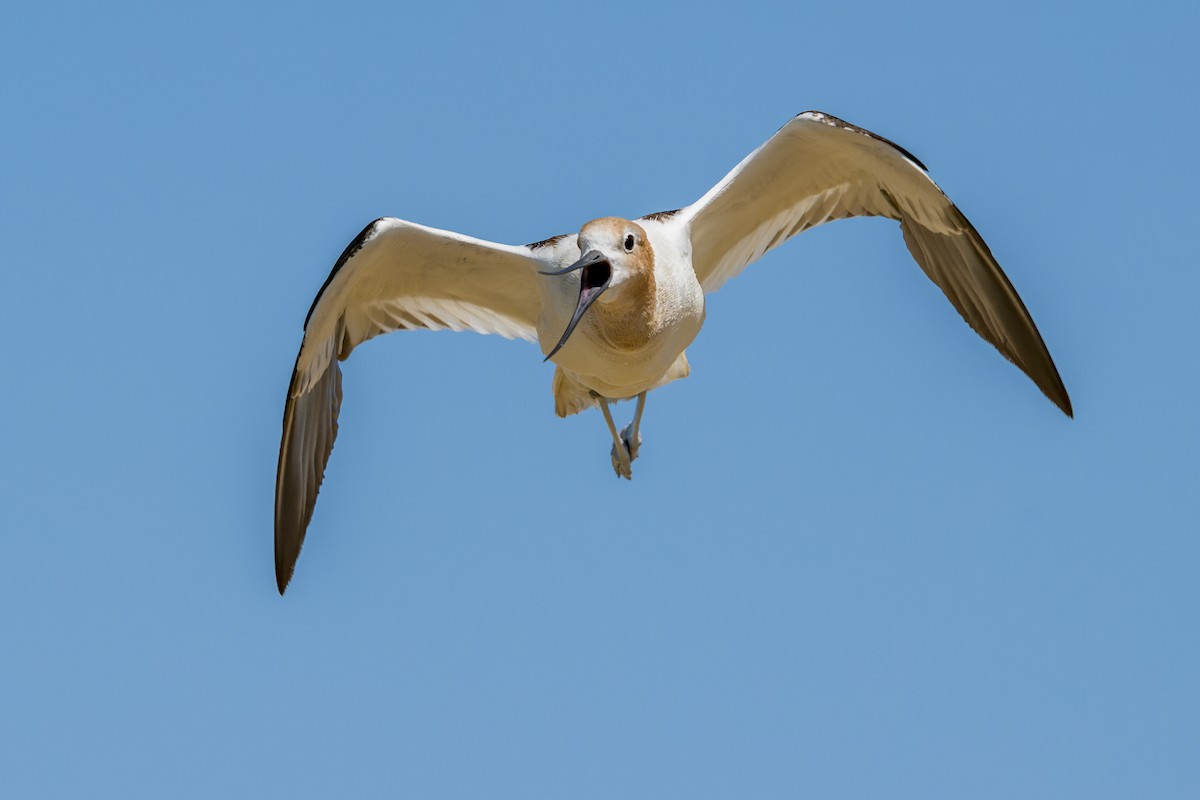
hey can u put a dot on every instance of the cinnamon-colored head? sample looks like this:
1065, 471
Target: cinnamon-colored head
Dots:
617, 275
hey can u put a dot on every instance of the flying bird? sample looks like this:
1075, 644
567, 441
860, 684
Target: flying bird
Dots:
616, 305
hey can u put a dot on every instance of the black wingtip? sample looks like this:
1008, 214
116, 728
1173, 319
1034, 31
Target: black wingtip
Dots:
282, 579
1064, 403
303, 454
1051, 384
286, 557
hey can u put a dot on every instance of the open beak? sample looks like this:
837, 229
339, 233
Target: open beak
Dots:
597, 273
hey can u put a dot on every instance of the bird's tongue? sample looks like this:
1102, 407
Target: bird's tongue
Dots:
586, 295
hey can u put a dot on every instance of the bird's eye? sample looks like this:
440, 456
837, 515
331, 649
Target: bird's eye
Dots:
629, 243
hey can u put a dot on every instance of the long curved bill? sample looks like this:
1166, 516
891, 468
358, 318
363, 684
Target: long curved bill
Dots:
597, 273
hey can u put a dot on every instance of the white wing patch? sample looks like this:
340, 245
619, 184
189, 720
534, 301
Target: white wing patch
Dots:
773, 231
409, 313
405, 276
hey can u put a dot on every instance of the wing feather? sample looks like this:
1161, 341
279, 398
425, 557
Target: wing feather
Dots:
818, 168
394, 275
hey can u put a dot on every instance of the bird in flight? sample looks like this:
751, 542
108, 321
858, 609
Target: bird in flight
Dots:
616, 305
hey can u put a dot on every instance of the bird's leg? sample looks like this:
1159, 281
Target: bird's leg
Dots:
632, 435
620, 455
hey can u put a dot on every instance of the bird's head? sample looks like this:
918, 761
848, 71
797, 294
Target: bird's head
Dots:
617, 262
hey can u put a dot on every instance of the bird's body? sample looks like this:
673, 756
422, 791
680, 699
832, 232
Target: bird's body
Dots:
630, 341
616, 305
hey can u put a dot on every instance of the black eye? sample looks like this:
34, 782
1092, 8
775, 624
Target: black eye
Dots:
629, 243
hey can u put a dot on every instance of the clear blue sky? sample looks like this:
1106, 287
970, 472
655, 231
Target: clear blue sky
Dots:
861, 555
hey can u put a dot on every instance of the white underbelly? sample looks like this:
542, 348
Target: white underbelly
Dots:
616, 373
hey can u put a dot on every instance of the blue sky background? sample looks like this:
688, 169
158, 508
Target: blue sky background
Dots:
861, 555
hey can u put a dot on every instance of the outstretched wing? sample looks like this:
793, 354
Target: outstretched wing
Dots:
395, 275
819, 168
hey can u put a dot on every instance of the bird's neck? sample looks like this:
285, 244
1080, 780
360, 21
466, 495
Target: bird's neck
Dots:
630, 320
